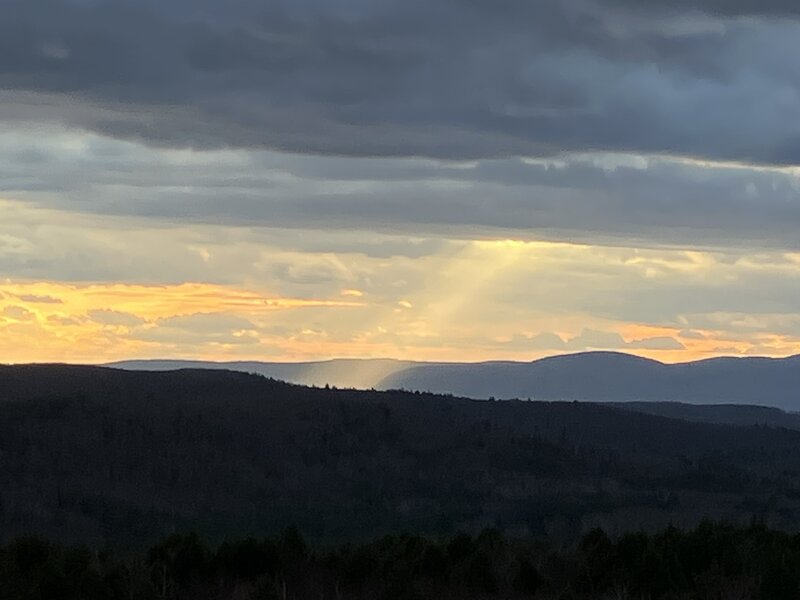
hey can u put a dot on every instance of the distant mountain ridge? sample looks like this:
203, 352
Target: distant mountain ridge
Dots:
590, 376
342, 372
616, 377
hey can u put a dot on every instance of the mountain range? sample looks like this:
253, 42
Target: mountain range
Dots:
590, 376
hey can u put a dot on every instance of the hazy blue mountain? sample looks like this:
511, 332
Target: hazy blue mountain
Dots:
344, 373
615, 377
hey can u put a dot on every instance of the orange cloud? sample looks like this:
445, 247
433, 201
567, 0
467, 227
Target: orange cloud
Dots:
705, 344
91, 323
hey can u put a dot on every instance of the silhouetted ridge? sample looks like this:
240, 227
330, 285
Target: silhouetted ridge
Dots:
99, 454
36, 382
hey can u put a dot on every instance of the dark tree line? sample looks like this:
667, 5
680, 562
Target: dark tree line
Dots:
713, 561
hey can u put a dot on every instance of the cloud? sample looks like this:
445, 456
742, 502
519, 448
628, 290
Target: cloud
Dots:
545, 340
115, 318
726, 351
656, 343
470, 79
786, 8
690, 334
407, 206
34, 299
207, 322
352, 293
747, 324
200, 329
65, 321
101, 322
18, 313
768, 351
591, 339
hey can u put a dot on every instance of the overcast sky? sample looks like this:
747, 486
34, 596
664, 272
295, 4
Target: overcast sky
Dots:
437, 179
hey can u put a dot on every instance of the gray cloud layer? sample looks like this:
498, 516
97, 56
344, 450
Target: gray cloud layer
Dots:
600, 199
437, 78
599, 340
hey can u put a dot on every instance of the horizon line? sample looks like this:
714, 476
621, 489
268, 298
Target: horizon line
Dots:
420, 362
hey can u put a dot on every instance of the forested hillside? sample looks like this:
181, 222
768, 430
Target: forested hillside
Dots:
100, 455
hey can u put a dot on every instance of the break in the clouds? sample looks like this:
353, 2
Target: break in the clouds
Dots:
448, 179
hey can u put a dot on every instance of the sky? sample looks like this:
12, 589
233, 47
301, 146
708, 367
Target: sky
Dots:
446, 180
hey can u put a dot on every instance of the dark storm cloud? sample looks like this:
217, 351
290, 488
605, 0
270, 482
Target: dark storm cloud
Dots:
450, 79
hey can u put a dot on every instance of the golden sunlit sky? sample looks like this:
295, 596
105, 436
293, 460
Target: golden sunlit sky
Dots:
303, 181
